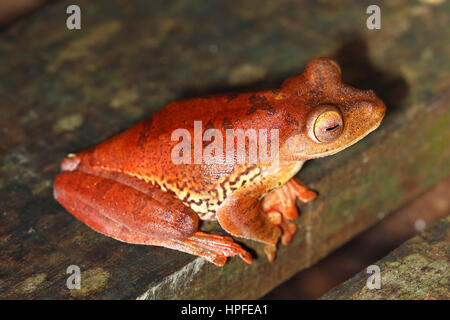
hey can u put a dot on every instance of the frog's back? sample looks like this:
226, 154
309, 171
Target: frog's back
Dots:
145, 150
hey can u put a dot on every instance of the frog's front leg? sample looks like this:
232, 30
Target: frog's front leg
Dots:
241, 215
280, 206
136, 212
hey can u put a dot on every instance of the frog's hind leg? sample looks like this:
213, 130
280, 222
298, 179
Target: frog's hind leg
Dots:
136, 212
279, 205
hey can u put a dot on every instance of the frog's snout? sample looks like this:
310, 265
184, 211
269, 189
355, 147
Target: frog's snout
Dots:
371, 108
378, 109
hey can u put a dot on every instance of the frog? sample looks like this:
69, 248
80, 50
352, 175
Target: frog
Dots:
132, 188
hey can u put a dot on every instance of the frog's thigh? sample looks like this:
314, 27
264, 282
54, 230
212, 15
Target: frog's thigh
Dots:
139, 213
241, 216
123, 212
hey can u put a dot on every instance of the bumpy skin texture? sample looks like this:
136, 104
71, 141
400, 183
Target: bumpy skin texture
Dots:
129, 188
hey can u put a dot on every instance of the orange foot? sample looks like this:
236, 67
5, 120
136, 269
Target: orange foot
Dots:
213, 247
279, 205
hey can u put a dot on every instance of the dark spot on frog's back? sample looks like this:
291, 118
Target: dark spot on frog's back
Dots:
251, 110
271, 111
291, 120
226, 124
257, 101
276, 91
209, 125
232, 95
144, 134
261, 103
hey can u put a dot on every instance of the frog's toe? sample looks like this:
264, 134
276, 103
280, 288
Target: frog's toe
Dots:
271, 251
217, 248
289, 230
282, 200
307, 195
299, 190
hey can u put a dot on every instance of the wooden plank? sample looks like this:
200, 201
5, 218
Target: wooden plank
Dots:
62, 90
418, 269
368, 247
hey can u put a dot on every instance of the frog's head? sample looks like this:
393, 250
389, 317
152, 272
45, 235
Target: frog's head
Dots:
331, 115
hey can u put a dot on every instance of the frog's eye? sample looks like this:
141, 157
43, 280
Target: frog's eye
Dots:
326, 124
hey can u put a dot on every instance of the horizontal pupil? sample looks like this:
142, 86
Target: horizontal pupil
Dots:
332, 128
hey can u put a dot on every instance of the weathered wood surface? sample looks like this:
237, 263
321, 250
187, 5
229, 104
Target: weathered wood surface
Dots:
370, 246
418, 269
61, 91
